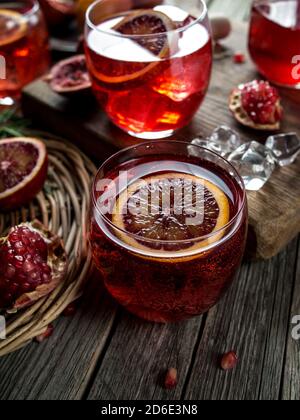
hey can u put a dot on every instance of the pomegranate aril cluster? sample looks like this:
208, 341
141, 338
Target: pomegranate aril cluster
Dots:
259, 100
23, 265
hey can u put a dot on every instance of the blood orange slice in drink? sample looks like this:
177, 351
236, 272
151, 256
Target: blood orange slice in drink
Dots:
148, 29
169, 212
12, 27
23, 171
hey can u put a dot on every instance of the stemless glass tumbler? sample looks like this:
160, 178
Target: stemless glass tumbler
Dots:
168, 228
24, 53
274, 40
150, 62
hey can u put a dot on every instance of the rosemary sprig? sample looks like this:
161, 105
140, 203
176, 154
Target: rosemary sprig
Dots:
11, 124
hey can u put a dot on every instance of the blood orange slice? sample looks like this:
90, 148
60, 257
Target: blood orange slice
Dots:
23, 171
158, 227
142, 24
12, 27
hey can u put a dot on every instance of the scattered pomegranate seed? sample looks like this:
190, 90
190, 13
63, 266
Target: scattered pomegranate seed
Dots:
239, 58
171, 378
229, 360
70, 310
46, 334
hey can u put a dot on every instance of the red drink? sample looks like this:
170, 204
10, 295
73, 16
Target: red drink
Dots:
166, 263
150, 84
23, 47
275, 40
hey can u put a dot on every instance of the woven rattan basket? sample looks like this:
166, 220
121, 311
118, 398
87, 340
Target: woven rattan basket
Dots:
63, 207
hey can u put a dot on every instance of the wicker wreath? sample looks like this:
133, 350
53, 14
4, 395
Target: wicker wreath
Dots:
63, 207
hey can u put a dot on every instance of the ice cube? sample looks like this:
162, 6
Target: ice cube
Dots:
222, 141
227, 139
206, 143
285, 147
255, 163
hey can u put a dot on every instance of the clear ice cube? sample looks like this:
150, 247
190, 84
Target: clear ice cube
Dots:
222, 141
285, 147
227, 139
206, 143
255, 163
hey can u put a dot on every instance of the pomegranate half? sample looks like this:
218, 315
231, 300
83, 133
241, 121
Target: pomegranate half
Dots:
33, 262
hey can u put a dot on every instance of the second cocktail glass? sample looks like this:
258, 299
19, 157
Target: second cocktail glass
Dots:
274, 40
150, 62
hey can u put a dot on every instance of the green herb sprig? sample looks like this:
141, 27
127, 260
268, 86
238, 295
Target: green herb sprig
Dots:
11, 124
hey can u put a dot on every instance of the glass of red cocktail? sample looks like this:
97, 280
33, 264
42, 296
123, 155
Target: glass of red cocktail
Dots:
168, 228
274, 40
150, 62
24, 53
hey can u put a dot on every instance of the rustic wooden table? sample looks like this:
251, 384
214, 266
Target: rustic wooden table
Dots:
104, 353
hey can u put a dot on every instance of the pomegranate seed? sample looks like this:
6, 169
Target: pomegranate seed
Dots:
171, 378
70, 310
229, 360
46, 334
10, 272
28, 266
26, 287
14, 237
239, 58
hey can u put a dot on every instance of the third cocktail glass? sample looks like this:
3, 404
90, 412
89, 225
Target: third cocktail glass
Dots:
274, 40
24, 52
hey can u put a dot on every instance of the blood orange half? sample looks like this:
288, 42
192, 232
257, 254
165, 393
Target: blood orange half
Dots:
154, 228
153, 31
23, 171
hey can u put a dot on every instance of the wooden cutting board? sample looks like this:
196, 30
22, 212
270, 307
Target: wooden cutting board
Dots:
274, 211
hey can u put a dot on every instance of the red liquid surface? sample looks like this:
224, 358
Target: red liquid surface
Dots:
166, 92
275, 41
167, 282
26, 57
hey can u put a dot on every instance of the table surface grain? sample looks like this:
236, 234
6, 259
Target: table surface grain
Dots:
105, 353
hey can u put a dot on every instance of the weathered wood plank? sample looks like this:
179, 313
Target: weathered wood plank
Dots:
139, 355
291, 379
61, 367
252, 320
